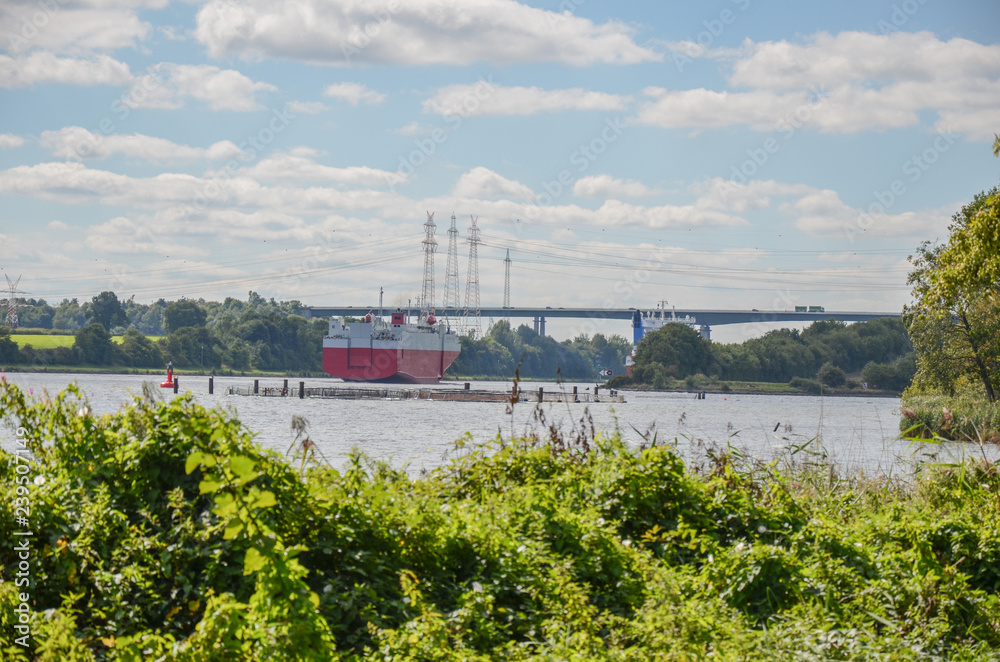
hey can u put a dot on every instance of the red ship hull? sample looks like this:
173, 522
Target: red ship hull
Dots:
366, 364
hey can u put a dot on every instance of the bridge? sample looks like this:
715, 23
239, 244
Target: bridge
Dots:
706, 318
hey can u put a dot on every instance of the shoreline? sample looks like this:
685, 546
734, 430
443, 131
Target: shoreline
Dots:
155, 372
716, 391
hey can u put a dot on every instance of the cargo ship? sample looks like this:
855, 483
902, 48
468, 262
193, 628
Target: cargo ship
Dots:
644, 322
374, 350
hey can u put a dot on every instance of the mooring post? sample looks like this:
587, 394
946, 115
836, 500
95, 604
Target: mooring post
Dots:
302, 390
256, 386
466, 386
177, 382
284, 389
539, 393
211, 385
575, 399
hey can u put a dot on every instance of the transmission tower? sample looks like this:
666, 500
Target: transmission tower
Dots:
452, 295
472, 281
12, 303
430, 245
506, 285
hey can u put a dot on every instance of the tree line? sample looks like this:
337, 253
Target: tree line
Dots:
269, 335
878, 351
239, 335
502, 350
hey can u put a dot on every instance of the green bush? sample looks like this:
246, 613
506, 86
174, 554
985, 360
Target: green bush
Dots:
807, 385
163, 531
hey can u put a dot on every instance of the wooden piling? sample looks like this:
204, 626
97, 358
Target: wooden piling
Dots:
211, 385
256, 386
284, 388
302, 390
540, 394
177, 382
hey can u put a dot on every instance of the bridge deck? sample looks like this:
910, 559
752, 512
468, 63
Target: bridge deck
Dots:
702, 316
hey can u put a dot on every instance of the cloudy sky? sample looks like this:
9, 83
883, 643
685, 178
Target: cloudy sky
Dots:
725, 154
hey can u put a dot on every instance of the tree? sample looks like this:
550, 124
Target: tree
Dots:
70, 315
8, 348
678, 346
193, 347
36, 315
830, 375
94, 345
954, 322
183, 313
138, 351
106, 310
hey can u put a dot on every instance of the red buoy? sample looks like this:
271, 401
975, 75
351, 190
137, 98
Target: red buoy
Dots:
368, 317
431, 319
170, 377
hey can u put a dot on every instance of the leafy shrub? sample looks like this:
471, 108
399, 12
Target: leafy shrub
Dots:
831, 375
807, 385
163, 532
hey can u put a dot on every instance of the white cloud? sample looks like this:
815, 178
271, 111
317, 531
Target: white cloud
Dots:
297, 167
413, 33
45, 67
10, 141
306, 107
823, 214
762, 110
70, 27
844, 83
221, 89
353, 93
483, 183
857, 57
414, 129
75, 142
606, 186
484, 98
57, 226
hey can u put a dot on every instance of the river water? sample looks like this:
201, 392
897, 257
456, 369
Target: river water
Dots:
856, 434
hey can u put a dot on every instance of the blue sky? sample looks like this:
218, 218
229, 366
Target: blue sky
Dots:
720, 154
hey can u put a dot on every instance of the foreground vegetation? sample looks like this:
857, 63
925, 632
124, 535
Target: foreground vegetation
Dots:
954, 322
163, 532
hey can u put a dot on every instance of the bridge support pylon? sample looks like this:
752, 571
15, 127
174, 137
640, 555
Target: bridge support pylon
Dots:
539, 326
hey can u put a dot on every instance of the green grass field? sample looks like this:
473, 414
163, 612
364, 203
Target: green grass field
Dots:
50, 342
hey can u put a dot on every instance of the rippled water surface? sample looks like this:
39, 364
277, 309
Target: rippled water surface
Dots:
858, 434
